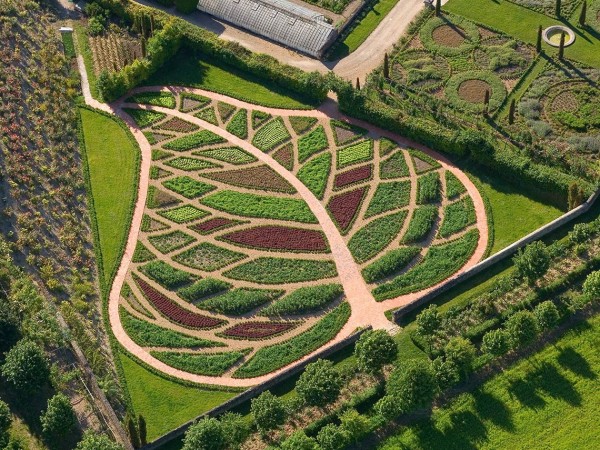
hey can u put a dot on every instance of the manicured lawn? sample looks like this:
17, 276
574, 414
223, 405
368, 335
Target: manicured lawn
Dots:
514, 214
166, 404
185, 69
113, 167
523, 23
84, 49
363, 29
550, 400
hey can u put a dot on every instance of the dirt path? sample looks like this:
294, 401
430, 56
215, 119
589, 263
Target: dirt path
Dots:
365, 310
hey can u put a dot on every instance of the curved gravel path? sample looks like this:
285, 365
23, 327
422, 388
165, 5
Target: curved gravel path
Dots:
365, 310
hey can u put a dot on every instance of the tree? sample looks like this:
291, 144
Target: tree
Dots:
268, 411
26, 367
532, 262
557, 8
235, 428
538, 45
299, 441
59, 418
388, 407
94, 441
9, 327
354, 424
546, 315
582, 14
206, 434
495, 342
438, 8
332, 437
132, 431
428, 322
591, 286
511, 112
5, 421
486, 102
374, 349
319, 384
447, 373
461, 352
561, 46
576, 195
412, 384
357, 84
521, 328
143, 430
386, 66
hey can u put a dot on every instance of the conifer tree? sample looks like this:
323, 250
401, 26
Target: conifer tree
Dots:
582, 14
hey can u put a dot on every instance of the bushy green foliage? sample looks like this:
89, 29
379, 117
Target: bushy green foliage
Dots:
5, 421
188, 187
93, 441
521, 328
374, 349
206, 434
271, 135
268, 411
253, 205
319, 384
412, 385
355, 425
428, 188
186, 6
238, 125
299, 441
421, 223
454, 187
281, 270
389, 196
189, 164
457, 216
546, 315
239, 301
495, 342
166, 275
194, 140
213, 364
304, 300
313, 142
461, 352
532, 262
391, 262
273, 357
203, 288
591, 286
315, 174
59, 418
147, 334
144, 118
301, 124
332, 437
142, 254
164, 99
26, 367
375, 236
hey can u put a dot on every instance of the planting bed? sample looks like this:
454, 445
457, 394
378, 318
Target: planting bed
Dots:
233, 251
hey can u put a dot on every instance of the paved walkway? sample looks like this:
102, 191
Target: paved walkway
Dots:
365, 310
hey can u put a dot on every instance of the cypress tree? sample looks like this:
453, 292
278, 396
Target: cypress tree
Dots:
511, 112
438, 7
143, 24
358, 83
561, 47
583, 14
557, 8
538, 45
151, 24
486, 102
143, 41
386, 66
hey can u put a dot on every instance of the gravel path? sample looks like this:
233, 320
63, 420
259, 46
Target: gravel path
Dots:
365, 310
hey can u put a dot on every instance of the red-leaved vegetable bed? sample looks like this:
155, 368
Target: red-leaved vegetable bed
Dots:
258, 330
352, 176
344, 207
212, 225
173, 311
278, 237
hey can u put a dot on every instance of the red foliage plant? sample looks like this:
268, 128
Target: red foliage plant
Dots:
211, 225
344, 207
278, 237
258, 330
353, 176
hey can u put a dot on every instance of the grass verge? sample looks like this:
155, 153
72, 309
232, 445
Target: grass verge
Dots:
83, 45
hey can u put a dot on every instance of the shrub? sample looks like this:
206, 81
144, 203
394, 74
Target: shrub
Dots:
532, 262
461, 352
59, 418
521, 328
5, 422
164, 99
299, 441
428, 188
457, 216
421, 224
412, 384
26, 367
591, 286
239, 301
239, 124
319, 384
186, 6
428, 323
206, 434
354, 424
268, 411
9, 326
235, 428
447, 373
495, 342
93, 441
546, 315
374, 349
332, 437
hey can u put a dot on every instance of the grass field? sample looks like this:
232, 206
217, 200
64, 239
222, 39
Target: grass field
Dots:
84, 49
166, 404
549, 400
523, 23
362, 29
185, 69
108, 148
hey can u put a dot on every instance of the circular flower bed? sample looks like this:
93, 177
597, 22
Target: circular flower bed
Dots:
420, 70
574, 106
506, 58
467, 90
449, 35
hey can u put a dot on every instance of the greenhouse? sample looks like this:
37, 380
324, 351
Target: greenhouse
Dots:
282, 21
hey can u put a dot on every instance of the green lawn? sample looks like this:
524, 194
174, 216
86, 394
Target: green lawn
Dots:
185, 69
523, 23
550, 400
83, 48
362, 29
112, 161
166, 404
514, 214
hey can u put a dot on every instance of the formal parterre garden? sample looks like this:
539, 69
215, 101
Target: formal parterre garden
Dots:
233, 275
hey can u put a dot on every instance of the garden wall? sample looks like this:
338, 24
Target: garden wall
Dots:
501, 255
256, 390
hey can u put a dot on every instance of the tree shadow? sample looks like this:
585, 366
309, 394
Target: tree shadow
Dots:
490, 408
525, 393
571, 360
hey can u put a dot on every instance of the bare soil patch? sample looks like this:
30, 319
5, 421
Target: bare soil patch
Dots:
474, 90
449, 36
565, 101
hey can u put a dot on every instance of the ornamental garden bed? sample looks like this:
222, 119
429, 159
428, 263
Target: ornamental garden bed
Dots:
276, 237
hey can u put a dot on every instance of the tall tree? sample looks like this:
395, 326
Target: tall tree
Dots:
428, 322
93, 441
438, 7
386, 66
538, 45
357, 84
374, 349
511, 112
521, 328
532, 262
5, 421
206, 434
557, 8
26, 367
319, 384
591, 286
59, 418
268, 411
582, 14
412, 384
486, 102
561, 47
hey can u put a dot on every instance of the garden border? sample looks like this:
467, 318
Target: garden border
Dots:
500, 256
